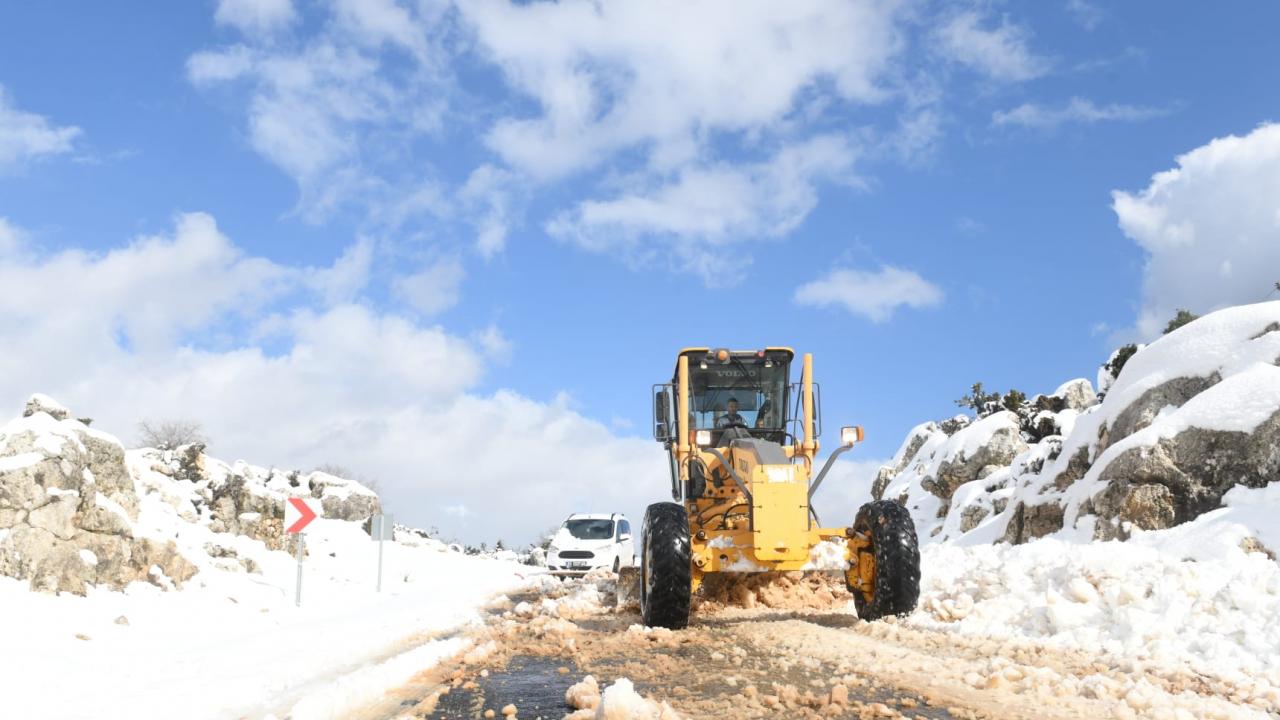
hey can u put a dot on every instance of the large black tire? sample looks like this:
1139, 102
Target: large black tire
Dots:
666, 570
897, 555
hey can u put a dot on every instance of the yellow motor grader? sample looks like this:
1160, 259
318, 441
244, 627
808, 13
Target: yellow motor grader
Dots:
742, 441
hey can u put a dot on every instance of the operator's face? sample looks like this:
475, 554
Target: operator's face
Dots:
733, 407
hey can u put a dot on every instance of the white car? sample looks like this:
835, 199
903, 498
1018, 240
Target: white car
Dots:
587, 541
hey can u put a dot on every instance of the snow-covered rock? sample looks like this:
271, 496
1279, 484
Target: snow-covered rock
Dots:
1190, 417
67, 503
69, 493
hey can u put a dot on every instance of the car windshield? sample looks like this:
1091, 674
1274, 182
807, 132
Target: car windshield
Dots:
590, 529
757, 384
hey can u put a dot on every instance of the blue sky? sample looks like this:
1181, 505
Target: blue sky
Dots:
447, 213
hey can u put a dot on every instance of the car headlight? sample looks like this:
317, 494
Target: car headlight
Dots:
553, 550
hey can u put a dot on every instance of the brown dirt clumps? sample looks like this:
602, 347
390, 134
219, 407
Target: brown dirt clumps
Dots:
790, 591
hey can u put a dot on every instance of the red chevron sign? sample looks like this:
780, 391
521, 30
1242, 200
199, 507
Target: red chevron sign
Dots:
297, 515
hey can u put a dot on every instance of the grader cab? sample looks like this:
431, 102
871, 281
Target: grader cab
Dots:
742, 441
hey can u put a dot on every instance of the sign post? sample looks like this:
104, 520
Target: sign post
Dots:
383, 527
297, 515
302, 550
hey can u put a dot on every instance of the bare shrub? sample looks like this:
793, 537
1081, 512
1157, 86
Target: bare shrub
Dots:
170, 434
347, 473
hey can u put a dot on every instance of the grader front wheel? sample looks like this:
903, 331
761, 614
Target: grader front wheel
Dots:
666, 573
894, 561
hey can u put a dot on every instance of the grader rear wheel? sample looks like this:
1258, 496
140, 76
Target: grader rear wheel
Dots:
666, 572
895, 555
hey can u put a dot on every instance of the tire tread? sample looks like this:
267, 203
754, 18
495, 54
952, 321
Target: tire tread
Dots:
897, 555
666, 602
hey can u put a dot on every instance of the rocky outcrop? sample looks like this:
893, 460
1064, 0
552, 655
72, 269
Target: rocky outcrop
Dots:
1189, 418
1075, 395
71, 503
343, 499
1180, 478
239, 507
998, 450
244, 499
1029, 522
67, 503
919, 436
1143, 411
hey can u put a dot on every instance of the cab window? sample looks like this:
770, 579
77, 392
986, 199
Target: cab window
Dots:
758, 384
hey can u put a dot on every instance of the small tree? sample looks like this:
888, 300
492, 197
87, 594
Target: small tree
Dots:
169, 434
980, 401
1182, 318
1014, 400
499, 545
1117, 362
544, 540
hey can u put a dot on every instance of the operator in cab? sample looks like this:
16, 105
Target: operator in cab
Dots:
731, 418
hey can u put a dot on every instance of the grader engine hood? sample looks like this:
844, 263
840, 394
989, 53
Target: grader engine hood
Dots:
779, 500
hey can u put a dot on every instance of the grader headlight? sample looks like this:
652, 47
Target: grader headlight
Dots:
850, 436
702, 438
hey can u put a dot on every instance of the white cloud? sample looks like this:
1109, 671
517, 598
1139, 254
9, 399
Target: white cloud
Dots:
1087, 14
325, 110
348, 276
489, 191
154, 329
220, 66
999, 51
706, 207
846, 487
434, 288
918, 135
255, 16
149, 293
613, 76
25, 136
12, 238
383, 21
1078, 110
970, 226
874, 295
497, 347
1210, 227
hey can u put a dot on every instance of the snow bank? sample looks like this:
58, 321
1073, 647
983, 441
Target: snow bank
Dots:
1146, 522
229, 641
232, 643
1136, 600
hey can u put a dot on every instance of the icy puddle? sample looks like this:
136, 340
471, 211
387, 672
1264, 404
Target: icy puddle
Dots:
535, 686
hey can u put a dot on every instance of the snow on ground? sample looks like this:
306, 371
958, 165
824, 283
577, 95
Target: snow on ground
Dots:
1183, 597
233, 644
1202, 594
